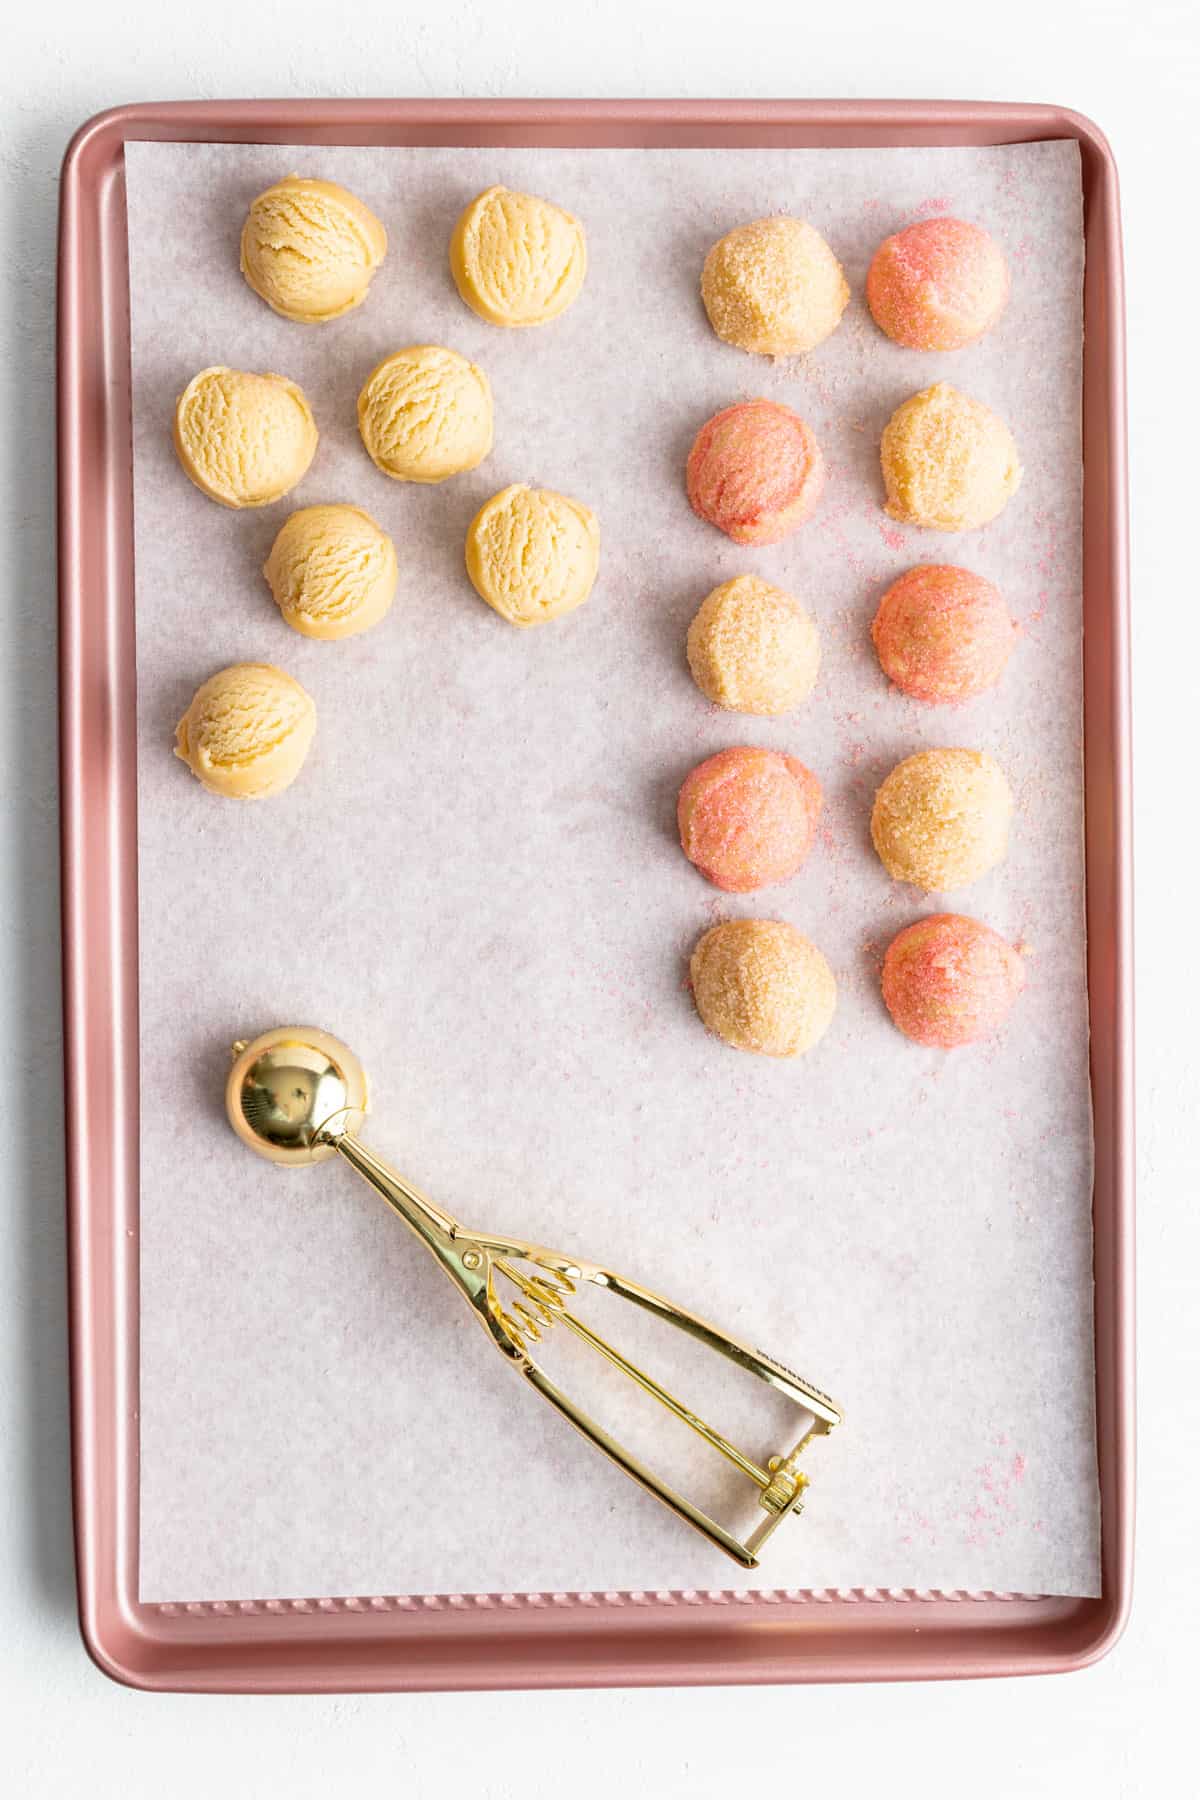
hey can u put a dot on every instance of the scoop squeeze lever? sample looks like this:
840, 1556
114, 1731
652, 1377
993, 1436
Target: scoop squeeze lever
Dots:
298, 1096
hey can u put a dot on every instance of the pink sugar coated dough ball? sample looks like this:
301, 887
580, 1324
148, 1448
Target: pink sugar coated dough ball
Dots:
937, 285
943, 634
948, 980
747, 817
755, 472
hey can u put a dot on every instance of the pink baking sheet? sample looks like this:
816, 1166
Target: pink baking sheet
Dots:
1104, 541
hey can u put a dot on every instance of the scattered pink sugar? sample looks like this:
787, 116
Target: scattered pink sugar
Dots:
935, 204
892, 538
1032, 620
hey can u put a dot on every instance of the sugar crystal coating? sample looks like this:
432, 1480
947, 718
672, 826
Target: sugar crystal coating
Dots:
948, 980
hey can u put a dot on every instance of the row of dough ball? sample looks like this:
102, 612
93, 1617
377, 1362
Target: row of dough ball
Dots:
762, 986
310, 248
949, 463
530, 553
246, 440
755, 470
748, 817
774, 287
943, 634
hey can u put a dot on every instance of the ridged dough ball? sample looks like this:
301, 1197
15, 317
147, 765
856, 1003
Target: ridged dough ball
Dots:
245, 440
755, 471
309, 249
773, 287
752, 648
941, 819
247, 731
747, 817
533, 554
762, 986
943, 634
332, 571
949, 462
937, 285
517, 260
948, 980
425, 414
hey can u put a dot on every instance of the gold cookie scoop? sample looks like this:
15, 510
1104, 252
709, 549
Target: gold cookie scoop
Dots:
298, 1096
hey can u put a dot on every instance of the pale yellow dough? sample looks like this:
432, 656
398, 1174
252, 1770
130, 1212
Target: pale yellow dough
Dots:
773, 287
533, 554
309, 249
425, 413
332, 571
245, 440
761, 986
517, 260
941, 819
247, 731
752, 648
949, 462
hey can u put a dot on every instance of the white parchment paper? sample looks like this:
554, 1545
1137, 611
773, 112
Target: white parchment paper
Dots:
476, 882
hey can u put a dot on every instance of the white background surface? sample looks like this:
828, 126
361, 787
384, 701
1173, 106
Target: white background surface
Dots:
1114, 1730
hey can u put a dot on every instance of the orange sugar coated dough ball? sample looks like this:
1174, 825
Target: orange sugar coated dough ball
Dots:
533, 554
941, 819
937, 285
948, 980
309, 249
773, 287
247, 731
949, 462
747, 817
332, 571
245, 440
517, 260
755, 471
753, 649
761, 986
425, 414
942, 633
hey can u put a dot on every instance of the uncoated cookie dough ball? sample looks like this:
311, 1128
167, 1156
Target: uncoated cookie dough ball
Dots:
332, 571
247, 731
773, 287
753, 649
747, 817
941, 819
943, 634
425, 413
762, 986
948, 980
755, 471
245, 440
949, 462
937, 285
309, 249
533, 554
517, 260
